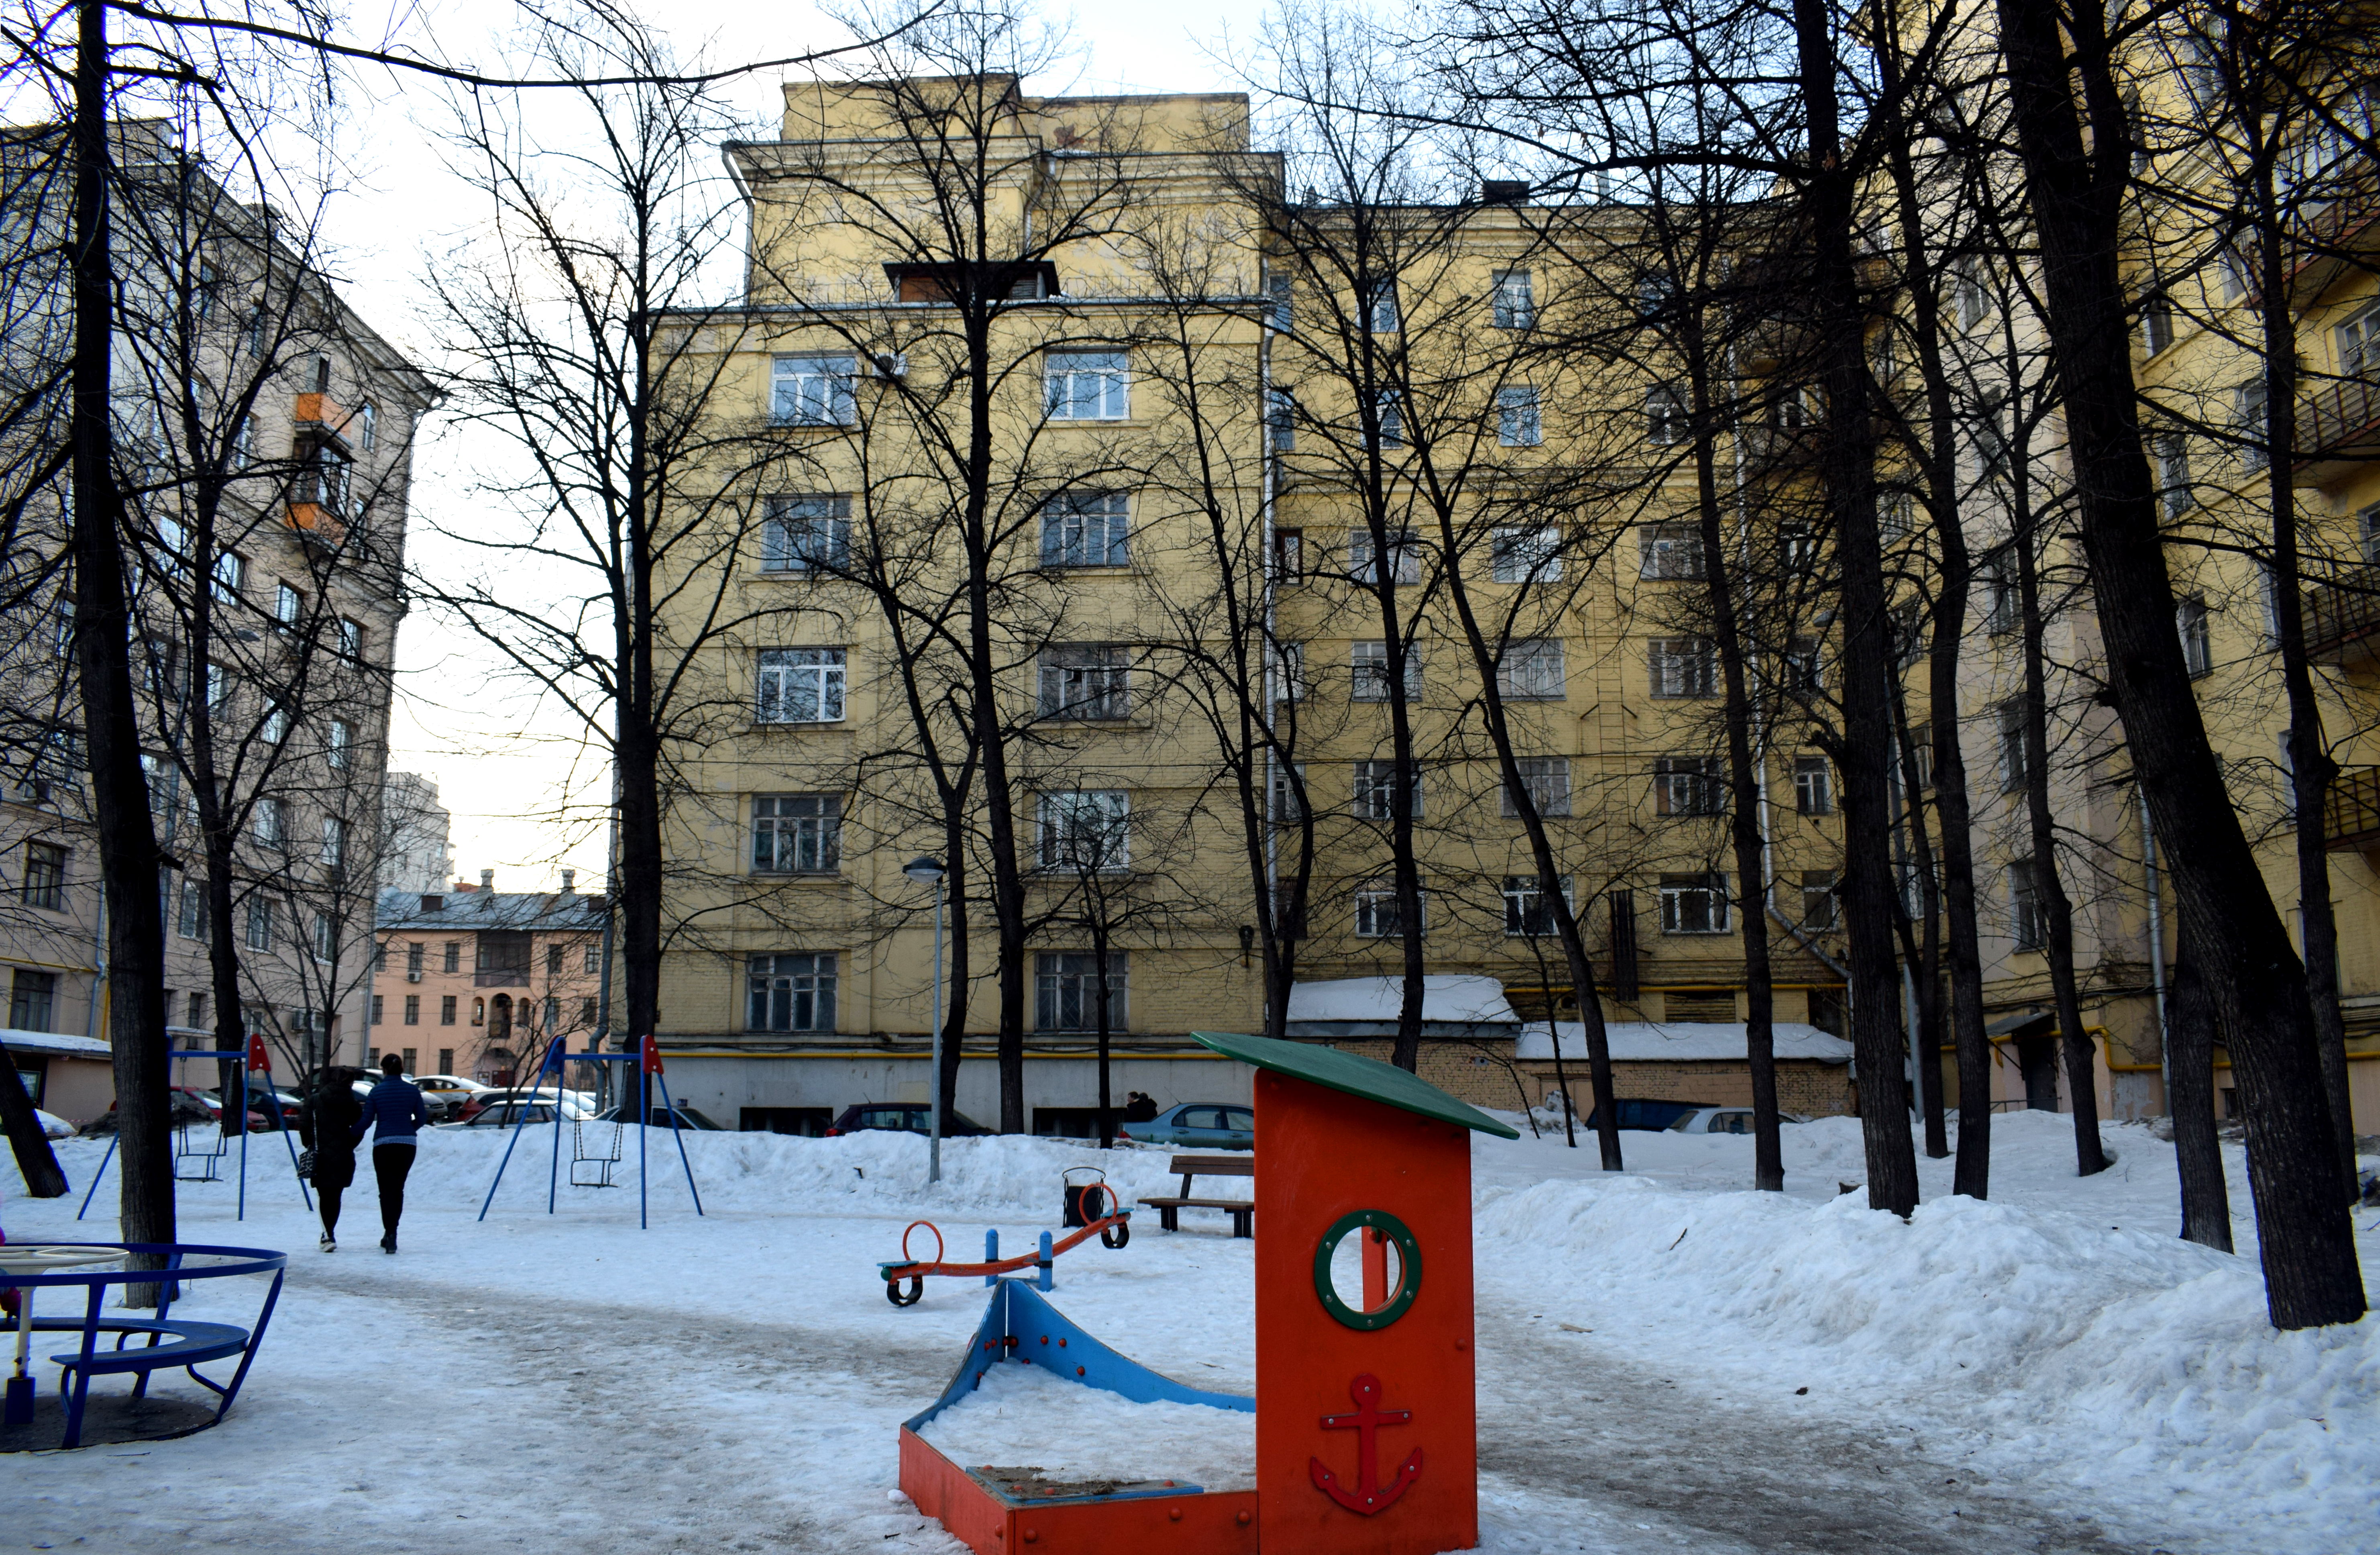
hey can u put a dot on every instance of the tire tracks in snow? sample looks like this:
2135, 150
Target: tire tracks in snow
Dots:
1570, 1416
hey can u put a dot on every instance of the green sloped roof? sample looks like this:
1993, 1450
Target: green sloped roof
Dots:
1354, 1075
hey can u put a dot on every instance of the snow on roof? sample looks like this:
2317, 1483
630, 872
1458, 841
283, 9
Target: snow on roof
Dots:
53, 1042
1640, 1041
1464, 1000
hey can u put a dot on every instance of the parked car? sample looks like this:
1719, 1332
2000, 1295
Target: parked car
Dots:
574, 1103
902, 1117
1203, 1124
1723, 1119
260, 1110
185, 1104
504, 1114
687, 1118
445, 1094
1650, 1116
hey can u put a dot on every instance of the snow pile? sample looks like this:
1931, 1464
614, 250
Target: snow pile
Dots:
1026, 1416
1638, 1042
2028, 1329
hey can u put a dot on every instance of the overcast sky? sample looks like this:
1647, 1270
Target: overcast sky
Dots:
498, 769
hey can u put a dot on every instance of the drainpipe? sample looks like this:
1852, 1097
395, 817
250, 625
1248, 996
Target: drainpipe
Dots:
98, 972
2157, 950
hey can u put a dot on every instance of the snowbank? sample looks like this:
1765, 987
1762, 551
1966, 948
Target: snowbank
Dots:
1022, 1416
1467, 1000
1634, 1041
2081, 1356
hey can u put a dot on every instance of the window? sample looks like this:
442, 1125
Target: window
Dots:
343, 740
791, 993
799, 686
451, 959
1086, 529
1400, 563
219, 684
1693, 904
1377, 915
2028, 920
1289, 794
1527, 911
1066, 991
1389, 415
1280, 421
2256, 427
1547, 780
2002, 602
1379, 790
1821, 908
322, 468
62, 630
366, 426
335, 842
1087, 385
806, 535
1288, 671
1525, 556
814, 389
2156, 323
1531, 670
260, 924
45, 876
351, 639
2197, 646
1921, 740
1967, 281
413, 1009
195, 1010
2010, 722
1688, 785
1669, 551
1655, 291
446, 1010
275, 727
1514, 305
1991, 437
1518, 423
231, 571
1802, 667
195, 920
587, 1008
271, 823
2359, 346
376, 1006
553, 961
1369, 680
1283, 314
31, 996
1682, 667
1091, 682
1380, 307
480, 1009
287, 605
1289, 557
2239, 270
2174, 493
1813, 785
1665, 416
1086, 830
326, 939
792, 833
551, 1020
594, 958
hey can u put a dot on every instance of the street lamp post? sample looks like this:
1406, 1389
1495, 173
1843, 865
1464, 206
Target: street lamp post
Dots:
922, 870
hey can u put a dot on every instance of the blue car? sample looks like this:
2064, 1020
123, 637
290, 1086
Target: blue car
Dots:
1200, 1124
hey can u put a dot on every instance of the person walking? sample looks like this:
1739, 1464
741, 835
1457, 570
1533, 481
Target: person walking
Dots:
393, 1114
327, 1124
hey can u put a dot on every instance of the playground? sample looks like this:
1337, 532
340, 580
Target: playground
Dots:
1641, 1342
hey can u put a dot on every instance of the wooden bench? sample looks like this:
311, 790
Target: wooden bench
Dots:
1169, 1209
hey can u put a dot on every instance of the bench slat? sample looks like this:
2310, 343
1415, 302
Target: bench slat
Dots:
193, 1342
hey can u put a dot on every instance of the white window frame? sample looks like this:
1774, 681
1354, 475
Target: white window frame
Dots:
1087, 384
1520, 423
1533, 670
1376, 915
1401, 564
1669, 552
1688, 788
1548, 780
1066, 991
1367, 673
1530, 556
1524, 895
1681, 668
1710, 914
799, 686
1087, 682
1814, 786
769, 983
1377, 786
814, 389
1101, 816
796, 834
802, 535
1513, 304
1086, 529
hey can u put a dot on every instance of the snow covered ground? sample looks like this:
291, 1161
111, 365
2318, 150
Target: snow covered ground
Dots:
2051, 1370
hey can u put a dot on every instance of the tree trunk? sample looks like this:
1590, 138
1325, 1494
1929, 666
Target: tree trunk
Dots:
129, 862
2253, 979
2049, 890
1925, 955
36, 1162
2190, 1070
1848, 473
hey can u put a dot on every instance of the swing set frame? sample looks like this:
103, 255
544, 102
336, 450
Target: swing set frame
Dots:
648, 1058
254, 1060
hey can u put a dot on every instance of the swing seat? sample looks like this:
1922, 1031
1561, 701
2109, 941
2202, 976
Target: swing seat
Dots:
592, 1169
592, 1174
197, 1166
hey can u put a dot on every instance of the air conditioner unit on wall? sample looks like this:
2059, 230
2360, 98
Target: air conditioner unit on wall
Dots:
413, 976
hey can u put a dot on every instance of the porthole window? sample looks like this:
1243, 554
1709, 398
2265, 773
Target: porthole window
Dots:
1367, 1270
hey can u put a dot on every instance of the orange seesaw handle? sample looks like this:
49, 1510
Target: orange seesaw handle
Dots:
1005, 1266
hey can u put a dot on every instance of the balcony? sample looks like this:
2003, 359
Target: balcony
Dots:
319, 410
317, 523
2350, 816
2339, 229
2342, 618
2338, 431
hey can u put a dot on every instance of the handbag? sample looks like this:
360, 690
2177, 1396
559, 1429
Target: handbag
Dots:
306, 1165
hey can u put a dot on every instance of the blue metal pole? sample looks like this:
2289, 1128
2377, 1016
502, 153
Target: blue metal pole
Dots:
95, 1177
644, 1222
283, 1119
241, 1212
553, 1168
679, 1135
1049, 1265
511, 1138
991, 1253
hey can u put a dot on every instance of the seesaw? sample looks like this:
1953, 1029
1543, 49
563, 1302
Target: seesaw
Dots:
1114, 1230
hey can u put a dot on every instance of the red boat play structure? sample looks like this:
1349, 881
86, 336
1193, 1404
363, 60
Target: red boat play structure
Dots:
1366, 1183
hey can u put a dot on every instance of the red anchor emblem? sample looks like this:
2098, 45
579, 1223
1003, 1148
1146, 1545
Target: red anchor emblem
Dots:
1369, 1496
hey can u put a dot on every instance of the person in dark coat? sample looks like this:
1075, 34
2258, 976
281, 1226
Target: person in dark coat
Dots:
393, 1114
1139, 1108
326, 1123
